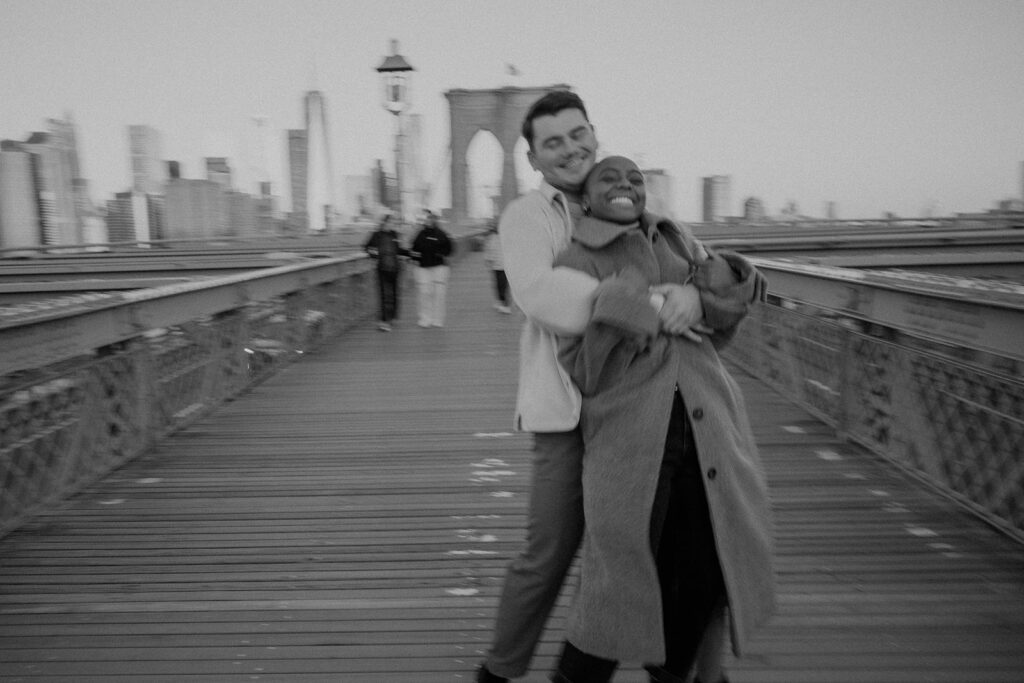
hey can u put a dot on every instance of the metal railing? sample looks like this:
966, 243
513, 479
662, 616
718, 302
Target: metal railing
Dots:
955, 425
89, 387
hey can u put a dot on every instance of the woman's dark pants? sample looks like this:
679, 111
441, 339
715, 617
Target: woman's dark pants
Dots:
683, 544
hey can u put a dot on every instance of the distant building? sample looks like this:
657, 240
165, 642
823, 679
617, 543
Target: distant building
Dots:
148, 171
359, 194
195, 209
242, 212
218, 170
267, 221
70, 200
54, 190
414, 189
19, 206
660, 198
716, 200
320, 204
53, 186
753, 209
135, 217
298, 172
120, 221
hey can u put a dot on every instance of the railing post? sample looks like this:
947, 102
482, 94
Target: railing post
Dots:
142, 358
846, 384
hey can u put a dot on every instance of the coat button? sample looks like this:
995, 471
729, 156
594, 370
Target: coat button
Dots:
712, 473
698, 413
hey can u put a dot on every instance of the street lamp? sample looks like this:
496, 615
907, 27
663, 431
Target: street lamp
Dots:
394, 72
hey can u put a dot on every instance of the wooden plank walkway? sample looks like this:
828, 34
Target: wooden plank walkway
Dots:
350, 520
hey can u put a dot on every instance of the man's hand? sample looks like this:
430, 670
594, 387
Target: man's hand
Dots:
682, 313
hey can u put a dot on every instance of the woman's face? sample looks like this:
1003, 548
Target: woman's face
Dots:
615, 191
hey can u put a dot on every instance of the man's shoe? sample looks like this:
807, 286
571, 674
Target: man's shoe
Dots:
384, 327
485, 676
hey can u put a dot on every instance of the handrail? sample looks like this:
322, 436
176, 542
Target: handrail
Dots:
88, 386
921, 377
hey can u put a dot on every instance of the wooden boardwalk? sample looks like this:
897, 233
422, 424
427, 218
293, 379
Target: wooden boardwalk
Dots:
350, 519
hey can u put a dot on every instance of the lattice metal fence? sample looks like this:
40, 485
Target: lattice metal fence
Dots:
65, 426
955, 425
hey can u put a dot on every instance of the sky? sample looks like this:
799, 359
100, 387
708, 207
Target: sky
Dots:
914, 107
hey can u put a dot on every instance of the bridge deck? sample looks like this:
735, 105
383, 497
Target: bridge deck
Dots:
350, 520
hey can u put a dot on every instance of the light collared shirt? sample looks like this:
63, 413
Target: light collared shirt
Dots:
534, 228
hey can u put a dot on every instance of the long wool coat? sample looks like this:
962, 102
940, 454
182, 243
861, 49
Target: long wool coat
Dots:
628, 374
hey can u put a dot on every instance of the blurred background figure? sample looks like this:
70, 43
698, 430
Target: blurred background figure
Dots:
384, 247
494, 260
430, 249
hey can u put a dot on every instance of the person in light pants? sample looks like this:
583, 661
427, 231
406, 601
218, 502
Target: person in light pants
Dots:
432, 290
430, 248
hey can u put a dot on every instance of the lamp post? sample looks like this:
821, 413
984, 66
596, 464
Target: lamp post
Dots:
394, 72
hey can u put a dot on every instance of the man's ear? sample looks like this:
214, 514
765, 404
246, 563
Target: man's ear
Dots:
531, 159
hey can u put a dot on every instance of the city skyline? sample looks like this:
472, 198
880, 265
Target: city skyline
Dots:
904, 107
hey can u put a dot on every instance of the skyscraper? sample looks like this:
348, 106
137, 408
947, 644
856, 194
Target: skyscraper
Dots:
298, 173
59, 194
19, 207
55, 198
77, 202
55, 164
320, 202
148, 171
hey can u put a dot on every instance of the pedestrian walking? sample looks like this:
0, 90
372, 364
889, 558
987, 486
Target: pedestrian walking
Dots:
430, 249
384, 247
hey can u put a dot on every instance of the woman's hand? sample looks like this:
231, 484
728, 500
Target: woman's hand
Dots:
682, 313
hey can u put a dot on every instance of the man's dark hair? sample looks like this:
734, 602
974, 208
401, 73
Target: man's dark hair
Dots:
549, 105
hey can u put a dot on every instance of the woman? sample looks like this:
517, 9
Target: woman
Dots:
678, 526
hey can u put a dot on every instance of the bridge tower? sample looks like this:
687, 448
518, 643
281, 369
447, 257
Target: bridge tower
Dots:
499, 111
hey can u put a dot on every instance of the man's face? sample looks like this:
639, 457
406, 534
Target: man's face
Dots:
563, 149
615, 191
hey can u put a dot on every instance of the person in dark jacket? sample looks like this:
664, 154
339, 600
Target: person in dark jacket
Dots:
430, 249
678, 523
383, 246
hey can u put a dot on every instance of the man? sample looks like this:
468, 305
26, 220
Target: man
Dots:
534, 229
383, 246
429, 249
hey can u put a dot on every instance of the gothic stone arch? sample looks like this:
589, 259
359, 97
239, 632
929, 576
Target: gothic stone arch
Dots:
499, 111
